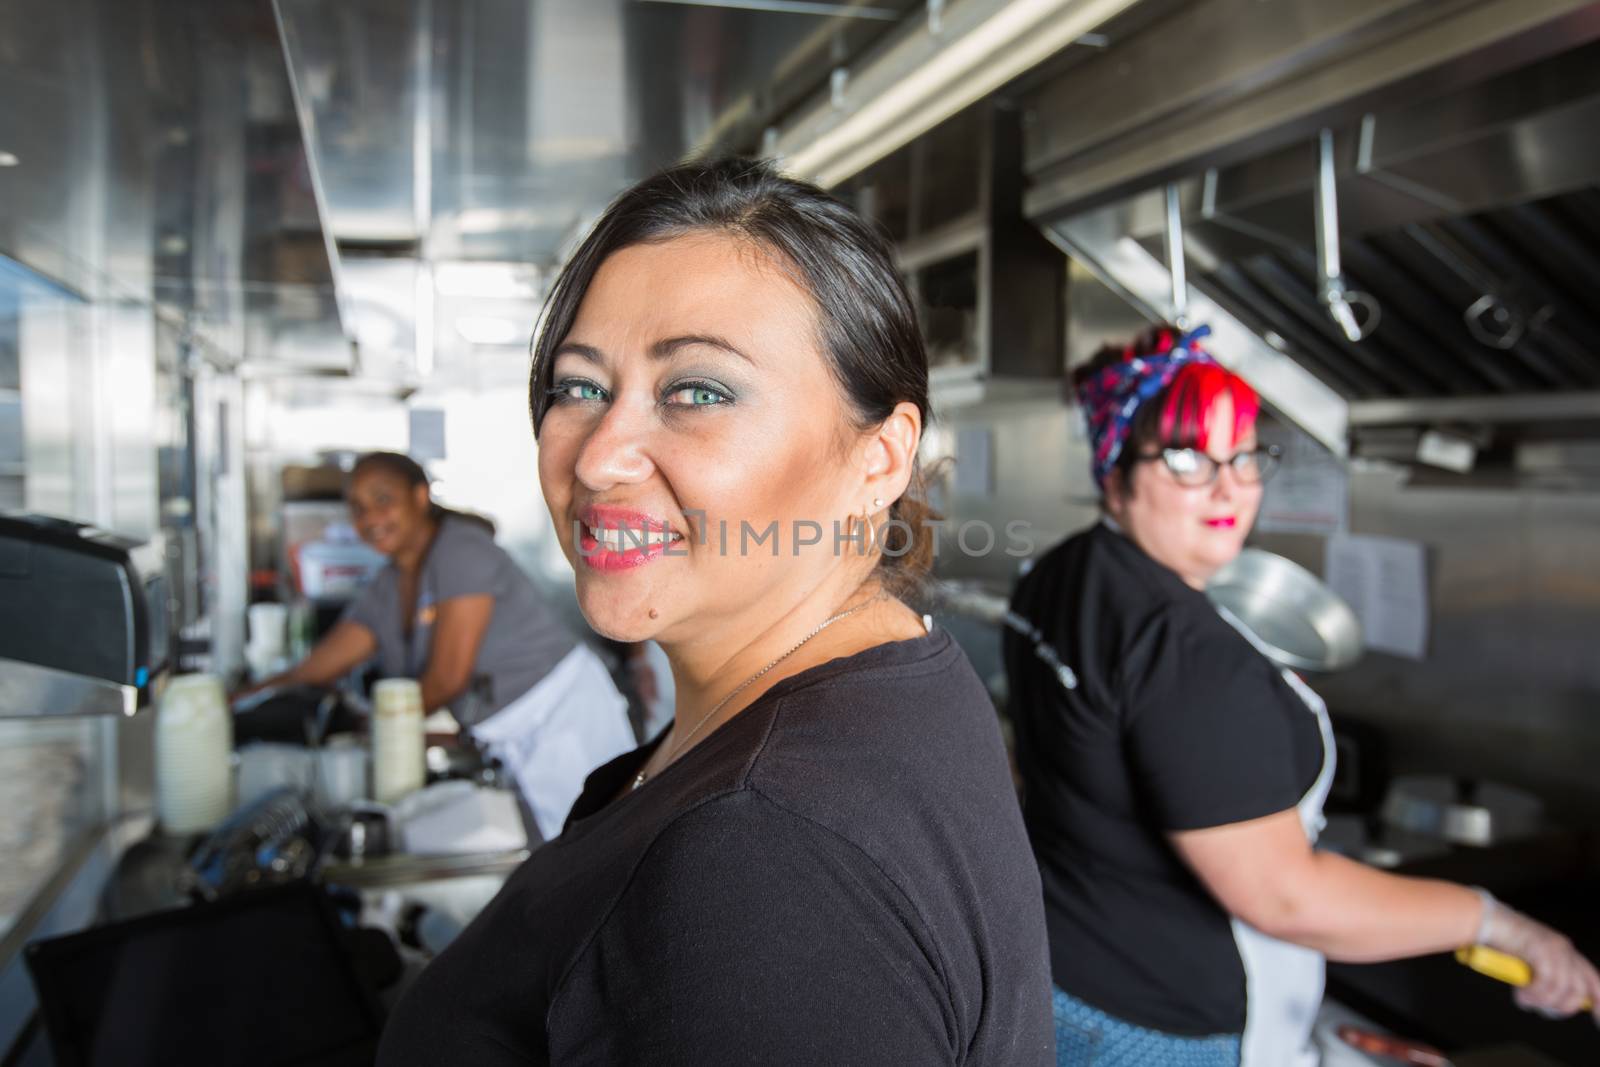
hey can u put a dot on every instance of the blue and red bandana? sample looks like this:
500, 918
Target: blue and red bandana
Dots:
1112, 396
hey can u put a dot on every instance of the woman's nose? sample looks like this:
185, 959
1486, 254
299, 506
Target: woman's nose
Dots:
614, 452
1227, 481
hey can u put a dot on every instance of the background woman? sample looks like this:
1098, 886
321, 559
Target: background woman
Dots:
455, 612
821, 860
1174, 778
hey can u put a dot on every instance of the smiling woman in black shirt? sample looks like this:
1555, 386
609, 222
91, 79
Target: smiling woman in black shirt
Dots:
821, 860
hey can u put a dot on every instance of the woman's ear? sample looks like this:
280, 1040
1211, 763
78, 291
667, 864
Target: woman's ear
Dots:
891, 453
421, 498
1115, 493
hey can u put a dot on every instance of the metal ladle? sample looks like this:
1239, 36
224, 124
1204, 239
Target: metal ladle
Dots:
1340, 301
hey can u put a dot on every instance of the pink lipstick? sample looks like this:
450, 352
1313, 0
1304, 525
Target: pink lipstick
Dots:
615, 539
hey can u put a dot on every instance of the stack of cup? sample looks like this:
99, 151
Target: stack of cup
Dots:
194, 746
397, 739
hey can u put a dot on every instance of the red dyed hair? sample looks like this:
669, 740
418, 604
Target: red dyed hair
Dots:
1186, 405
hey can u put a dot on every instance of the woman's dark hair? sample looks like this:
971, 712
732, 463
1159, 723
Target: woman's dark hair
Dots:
410, 471
866, 323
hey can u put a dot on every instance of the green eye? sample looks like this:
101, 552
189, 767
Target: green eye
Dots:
698, 396
577, 389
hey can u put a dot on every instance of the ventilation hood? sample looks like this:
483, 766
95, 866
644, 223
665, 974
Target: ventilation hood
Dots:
1459, 155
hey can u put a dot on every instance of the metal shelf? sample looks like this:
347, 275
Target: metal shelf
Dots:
29, 691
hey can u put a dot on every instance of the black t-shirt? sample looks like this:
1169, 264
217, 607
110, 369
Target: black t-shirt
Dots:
1139, 711
840, 874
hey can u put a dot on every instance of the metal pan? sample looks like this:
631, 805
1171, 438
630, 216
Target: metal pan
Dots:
1300, 622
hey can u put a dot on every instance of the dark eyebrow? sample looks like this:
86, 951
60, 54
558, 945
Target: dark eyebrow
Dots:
573, 348
670, 346
659, 350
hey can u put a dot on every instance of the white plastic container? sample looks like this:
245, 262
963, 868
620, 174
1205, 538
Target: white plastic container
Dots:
194, 744
397, 739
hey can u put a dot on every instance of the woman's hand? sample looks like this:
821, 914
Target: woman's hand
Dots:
345, 647
245, 692
1564, 982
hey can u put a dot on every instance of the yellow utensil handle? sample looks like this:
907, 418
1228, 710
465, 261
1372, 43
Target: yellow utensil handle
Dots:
1502, 966
1512, 970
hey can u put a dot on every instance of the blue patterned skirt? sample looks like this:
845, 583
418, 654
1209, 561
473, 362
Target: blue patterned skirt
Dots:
1088, 1037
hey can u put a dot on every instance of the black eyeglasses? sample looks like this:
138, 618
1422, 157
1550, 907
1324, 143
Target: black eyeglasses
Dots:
1193, 469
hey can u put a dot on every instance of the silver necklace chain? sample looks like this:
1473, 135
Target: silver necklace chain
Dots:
708, 716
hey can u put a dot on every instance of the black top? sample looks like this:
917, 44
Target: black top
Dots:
1140, 711
838, 875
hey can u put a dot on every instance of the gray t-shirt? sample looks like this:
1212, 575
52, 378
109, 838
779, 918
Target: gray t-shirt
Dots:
524, 641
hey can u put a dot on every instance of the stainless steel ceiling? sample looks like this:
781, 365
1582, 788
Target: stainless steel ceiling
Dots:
464, 147
457, 149
496, 129
160, 162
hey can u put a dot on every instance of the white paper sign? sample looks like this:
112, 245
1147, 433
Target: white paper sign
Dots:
1385, 580
427, 434
1310, 493
974, 461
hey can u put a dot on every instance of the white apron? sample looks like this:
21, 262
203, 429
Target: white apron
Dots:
550, 738
1283, 982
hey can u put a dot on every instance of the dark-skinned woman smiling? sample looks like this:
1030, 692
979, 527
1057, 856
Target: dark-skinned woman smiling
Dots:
452, 606
821, 860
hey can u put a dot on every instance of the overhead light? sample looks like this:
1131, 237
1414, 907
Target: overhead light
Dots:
491, 330
486, 279
8, 159
935, 78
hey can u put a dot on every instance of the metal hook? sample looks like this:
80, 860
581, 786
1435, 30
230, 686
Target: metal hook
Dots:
1340, 302
1494, 323
1342, 307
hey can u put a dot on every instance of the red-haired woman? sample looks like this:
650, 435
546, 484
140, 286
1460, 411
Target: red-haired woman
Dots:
1174, 778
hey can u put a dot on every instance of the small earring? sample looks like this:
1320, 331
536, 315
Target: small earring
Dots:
869, 533
877, 501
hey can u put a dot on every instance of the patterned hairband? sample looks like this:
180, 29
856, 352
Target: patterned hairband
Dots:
1112, 396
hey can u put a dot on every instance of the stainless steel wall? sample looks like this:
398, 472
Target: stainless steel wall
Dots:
1510, 686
